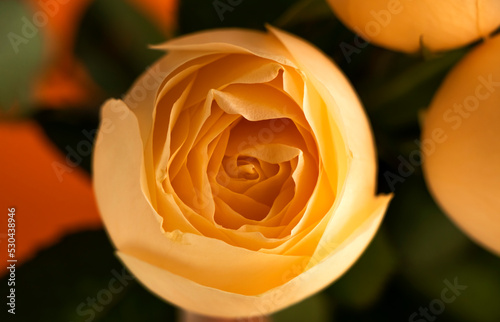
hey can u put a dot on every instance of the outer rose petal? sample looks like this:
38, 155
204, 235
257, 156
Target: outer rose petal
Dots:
343, 103
204, 274
406, 24
462, 147
213, 302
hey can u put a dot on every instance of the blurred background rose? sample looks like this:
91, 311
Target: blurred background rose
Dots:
50, 91
462, 154
410, 26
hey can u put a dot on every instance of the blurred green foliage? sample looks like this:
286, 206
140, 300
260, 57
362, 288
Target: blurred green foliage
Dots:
21, 52
113, 43
404, 268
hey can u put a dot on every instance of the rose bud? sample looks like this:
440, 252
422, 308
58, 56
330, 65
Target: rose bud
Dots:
407, 25
237, 177
461, 145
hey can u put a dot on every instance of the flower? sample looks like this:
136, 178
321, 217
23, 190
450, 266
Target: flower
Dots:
461, 146
406, 25
237, 177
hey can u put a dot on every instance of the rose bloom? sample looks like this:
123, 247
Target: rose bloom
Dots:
406, 25
237, 177
461, 145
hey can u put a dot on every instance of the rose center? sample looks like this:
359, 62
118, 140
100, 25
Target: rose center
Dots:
247, 168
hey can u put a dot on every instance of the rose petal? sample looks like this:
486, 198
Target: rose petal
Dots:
186, 254
406, 25
205, 300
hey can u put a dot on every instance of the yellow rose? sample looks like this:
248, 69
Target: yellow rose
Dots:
462, 147
405, 25
237, 177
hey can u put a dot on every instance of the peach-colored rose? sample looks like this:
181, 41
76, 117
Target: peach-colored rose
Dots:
237, 177
406, 25
463, 167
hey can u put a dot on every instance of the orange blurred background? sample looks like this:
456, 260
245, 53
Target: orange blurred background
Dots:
52, 198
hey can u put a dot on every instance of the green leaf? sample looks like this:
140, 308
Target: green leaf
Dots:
423, 236
113, 43
364, 283
405, 90
475, 289
73, 132
21, 52
317, 308
304, 11
432, 249
195, 15
479, 302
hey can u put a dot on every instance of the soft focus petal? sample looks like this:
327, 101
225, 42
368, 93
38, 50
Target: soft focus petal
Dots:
461, 146
214, 302
406, 25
